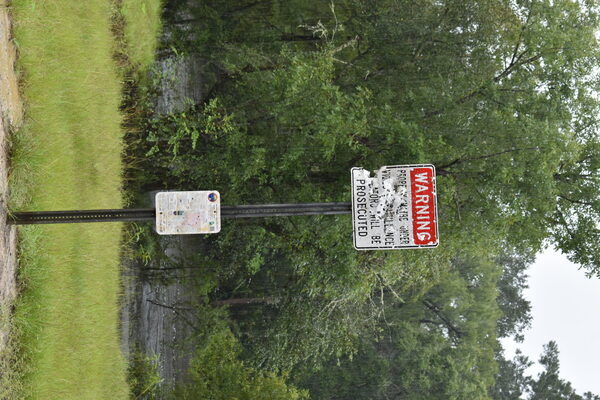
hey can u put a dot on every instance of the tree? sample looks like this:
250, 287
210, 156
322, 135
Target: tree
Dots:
516, 309
500, 96
440, 346
513, 383
217, 373
549, 385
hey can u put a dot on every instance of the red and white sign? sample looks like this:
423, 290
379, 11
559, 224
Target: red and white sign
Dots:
396, 209
423, 196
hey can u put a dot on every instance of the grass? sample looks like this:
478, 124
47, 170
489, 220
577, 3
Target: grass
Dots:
143, 376
68, 156
143, 21
11, 364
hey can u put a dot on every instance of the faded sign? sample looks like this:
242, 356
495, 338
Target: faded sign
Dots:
180, 213
396, 208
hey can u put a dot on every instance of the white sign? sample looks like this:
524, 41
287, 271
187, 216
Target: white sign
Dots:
395, 209
182, 213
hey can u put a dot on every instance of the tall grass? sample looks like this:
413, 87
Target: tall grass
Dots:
68, 156
11, 364
141, 30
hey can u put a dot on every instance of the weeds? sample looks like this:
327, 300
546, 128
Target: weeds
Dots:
143, 377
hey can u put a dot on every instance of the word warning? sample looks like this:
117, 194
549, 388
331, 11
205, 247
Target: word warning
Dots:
395, 209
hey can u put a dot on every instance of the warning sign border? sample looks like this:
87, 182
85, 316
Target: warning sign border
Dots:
399, 247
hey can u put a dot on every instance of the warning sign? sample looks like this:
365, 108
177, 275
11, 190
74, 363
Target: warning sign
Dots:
395, 209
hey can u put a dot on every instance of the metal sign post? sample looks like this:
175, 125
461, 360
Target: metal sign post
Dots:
396, 209
149, 214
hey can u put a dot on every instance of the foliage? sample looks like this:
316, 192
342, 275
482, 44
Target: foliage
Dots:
145, 245
441, 345
217, 373
142, 376
185, 128
498, 95
516, 309
513, 383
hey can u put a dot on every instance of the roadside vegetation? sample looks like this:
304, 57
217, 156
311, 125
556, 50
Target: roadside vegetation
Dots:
499, 96
68, 155
141, 31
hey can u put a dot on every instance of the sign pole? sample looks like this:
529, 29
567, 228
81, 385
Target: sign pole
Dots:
149, 214
394, 209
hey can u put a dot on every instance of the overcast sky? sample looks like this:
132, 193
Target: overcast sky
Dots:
566, 309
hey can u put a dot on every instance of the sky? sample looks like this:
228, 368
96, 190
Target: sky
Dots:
566, 309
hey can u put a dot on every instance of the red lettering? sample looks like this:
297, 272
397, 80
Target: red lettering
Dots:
423, 206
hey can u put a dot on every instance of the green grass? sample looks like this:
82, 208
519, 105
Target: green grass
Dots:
11, 365
68, 156
142, 21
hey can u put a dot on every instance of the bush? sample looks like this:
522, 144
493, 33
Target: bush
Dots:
217, 373
143, 377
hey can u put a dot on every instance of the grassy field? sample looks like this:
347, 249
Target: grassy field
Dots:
143, 21
68, 156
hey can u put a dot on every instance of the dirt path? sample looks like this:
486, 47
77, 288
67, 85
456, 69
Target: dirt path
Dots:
10, 118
